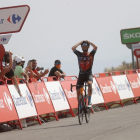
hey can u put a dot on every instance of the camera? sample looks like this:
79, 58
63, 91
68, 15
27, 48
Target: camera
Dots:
41, 68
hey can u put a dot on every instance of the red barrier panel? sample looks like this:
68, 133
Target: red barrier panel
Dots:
24, 102
134, 81
108, 88
71, 96
59, 99
121, 82
7, 108
42, 99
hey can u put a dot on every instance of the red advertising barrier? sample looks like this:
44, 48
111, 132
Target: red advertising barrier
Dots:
108, 88
42, 99
56, 92
24, 103
134, 81
124, 91
7, 108
71, 96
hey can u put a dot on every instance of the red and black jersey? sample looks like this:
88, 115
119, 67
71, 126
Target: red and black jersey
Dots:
85, 61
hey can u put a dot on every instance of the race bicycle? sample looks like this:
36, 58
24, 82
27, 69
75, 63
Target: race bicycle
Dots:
83, 100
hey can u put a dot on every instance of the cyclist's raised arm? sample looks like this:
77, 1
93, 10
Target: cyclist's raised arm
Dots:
76, 45
94, 46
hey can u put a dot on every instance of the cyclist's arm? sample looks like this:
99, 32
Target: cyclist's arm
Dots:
76, 45
94, 46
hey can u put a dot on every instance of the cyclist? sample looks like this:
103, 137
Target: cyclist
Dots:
85, 60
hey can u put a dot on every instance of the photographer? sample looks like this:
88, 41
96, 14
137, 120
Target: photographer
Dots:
35, 68
7, 64
33, 71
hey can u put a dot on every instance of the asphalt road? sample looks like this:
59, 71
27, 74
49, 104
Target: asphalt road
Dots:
114, 124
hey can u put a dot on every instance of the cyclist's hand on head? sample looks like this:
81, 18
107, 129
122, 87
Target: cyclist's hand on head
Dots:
81, 42
88, 41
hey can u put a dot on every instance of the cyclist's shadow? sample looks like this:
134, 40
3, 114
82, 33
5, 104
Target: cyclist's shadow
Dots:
55, 127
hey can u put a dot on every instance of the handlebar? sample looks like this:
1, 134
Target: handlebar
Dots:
78, 86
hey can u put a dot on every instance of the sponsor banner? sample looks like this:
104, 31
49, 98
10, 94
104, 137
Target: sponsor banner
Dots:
130, 35
4, 39
108, 89
7, 108
57, 95
137, 53
123, 86
41, 98
13, 18
25, 104
72, 96
134, 83
96, 93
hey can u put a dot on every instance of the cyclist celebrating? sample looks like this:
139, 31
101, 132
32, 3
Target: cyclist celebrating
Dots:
85, 60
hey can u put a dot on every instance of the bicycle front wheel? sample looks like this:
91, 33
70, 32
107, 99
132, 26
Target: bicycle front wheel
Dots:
87, 115
80, 113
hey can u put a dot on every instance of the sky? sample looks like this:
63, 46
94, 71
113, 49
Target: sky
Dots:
54, 26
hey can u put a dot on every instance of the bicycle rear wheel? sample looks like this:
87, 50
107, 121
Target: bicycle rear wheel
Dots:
80, 113
87, 114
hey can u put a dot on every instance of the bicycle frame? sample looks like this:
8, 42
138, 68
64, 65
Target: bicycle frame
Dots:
82, 102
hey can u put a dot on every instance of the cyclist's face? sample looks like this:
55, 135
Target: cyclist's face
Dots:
85, 48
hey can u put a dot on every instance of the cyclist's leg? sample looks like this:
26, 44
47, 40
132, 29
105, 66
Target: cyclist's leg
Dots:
89, 82
79, 82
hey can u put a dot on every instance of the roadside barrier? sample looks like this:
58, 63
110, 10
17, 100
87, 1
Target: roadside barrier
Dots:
134, 80
7, 108
123, 86
24, 105
53, 95
108, 89
97, 97
42, 99
58, 97
71, 96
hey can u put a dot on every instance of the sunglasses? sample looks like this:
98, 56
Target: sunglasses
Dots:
84, 44
57, 63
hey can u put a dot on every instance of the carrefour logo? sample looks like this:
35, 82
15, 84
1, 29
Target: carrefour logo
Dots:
8, 101
14, 19
3, 39
62, 94
131, 35
97, 89
127, 85
46, 96
29, 98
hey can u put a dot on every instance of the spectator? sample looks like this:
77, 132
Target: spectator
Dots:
34, 67
14, 62
33, 73
56, 71
4, 71
7, 63
19, 73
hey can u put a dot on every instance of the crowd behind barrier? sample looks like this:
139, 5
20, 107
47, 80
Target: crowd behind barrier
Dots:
52, 98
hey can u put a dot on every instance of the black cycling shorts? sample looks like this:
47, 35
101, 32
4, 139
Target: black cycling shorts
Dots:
84, 78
